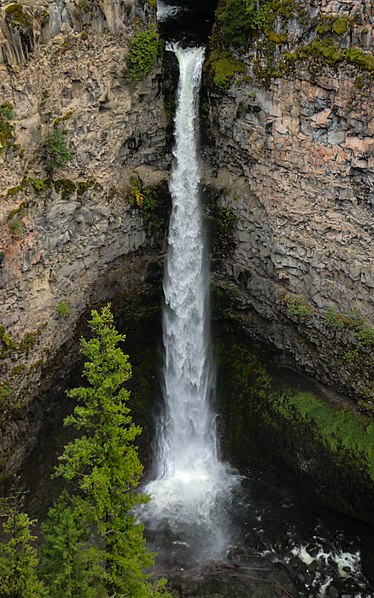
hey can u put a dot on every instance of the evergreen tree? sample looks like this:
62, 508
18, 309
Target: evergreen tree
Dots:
96, 523
57, 150
19, 559
71, 564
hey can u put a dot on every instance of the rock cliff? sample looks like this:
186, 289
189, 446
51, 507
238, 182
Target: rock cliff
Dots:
62, 230
289, 114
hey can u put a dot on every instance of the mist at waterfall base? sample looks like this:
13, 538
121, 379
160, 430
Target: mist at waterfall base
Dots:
192, 490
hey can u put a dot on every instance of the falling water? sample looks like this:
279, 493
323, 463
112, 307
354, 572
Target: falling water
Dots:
191, 483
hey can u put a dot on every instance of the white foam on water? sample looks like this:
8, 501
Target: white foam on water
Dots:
166, 11
345, 564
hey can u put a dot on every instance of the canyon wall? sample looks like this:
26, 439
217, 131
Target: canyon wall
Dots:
66, 230
289, 117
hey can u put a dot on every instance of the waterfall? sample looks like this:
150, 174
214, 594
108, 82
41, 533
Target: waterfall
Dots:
187, 438
190, 481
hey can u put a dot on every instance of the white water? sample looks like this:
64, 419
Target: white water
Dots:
191, 483
166, 11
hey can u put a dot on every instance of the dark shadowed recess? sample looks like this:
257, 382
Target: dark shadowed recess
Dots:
186, 20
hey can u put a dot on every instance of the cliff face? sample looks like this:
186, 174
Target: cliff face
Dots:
60, 233
292, 156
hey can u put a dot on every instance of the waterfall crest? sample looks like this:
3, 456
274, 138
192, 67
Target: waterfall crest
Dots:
190, 480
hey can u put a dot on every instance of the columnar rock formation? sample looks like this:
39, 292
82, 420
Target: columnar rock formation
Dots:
293, 149
63, 67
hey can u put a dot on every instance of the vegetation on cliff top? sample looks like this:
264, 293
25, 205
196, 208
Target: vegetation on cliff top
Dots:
262, 26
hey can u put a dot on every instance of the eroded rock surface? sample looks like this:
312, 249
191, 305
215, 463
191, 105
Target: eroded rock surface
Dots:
293, 150
60, 233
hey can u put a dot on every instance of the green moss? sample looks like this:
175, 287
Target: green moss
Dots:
224, 67
6, 343
361, 330
6, 128
17, 370
17, 17
65, 186
345, 433
224, 301
27, 342
277, 38
221, 221
40, 185
288, 428
358, 58
325, 51
83, 186
340, 26
147, 200
144, 48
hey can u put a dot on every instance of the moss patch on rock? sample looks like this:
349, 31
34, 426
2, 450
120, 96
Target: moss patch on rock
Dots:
17, 17
224, 67
6, 127
326, 448
326, 51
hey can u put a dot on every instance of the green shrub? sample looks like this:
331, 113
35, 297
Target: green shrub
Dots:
63, 309
240, 18
16, 229
144, 48
6, 111
5, 391
340, 26
297, 306
57, 149
332, 318
365, 336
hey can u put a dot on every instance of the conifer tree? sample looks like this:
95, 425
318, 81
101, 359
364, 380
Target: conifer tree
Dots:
19, 559
96, 523
57, 150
